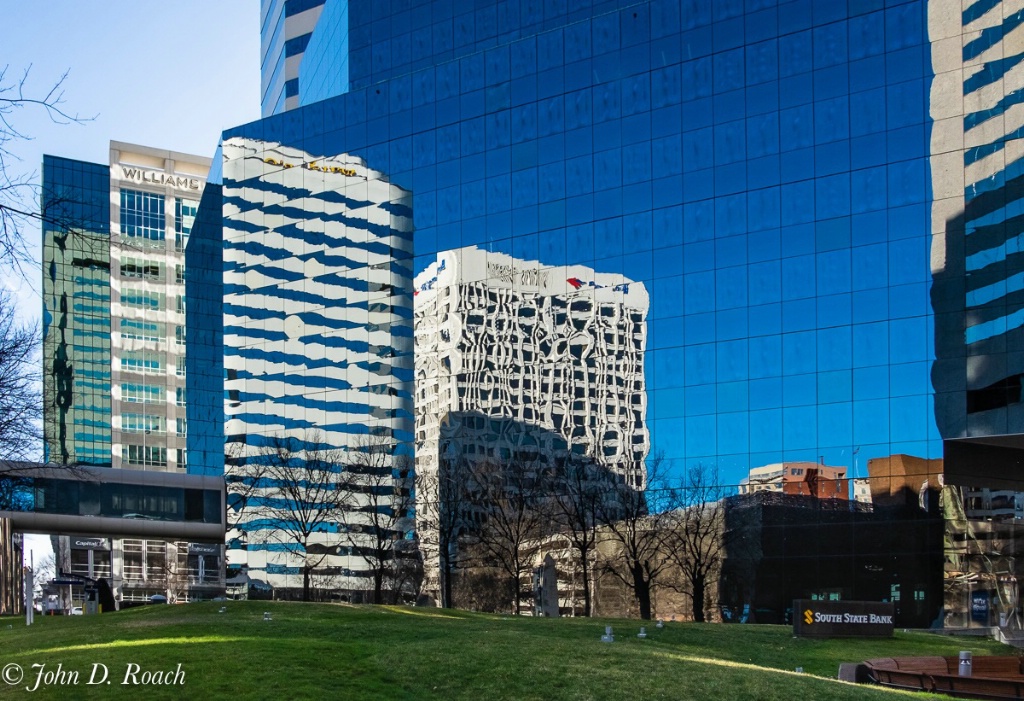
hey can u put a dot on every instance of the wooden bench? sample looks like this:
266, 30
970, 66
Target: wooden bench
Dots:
992, 677
1000, 667
977, 687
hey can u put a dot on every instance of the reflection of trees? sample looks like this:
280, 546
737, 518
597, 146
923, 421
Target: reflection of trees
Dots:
696, 542
15, 492
582, 495
377, 513
635, 530
515, 497
302, 498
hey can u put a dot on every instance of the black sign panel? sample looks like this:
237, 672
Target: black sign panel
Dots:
842, 619
83, 543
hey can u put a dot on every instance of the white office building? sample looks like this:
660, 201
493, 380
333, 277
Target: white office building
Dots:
510, 353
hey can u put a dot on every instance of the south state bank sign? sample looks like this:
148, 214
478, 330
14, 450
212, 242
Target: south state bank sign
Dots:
842, 619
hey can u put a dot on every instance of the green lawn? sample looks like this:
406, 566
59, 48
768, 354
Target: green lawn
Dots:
313, 651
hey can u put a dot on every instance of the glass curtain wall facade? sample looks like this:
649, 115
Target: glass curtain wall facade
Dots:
286, 27
317, 359
114, 308
76, 311
819, 199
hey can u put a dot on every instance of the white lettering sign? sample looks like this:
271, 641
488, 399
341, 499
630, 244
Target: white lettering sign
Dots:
155, 177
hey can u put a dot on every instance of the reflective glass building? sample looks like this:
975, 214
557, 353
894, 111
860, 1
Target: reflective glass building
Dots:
820, 199
114, 239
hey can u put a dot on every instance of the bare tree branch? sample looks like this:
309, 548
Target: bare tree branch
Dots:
442, 504
516, 498
696, 534
636, 537
302, 496
379, 485
20, 404
19, 192
581, 503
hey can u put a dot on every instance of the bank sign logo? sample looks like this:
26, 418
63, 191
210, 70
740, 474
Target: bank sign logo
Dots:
811, 617
827, 619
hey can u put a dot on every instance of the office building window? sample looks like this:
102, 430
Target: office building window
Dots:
134, 330
142, 299
184, 218
140, 361
141, 269
142, 423
147, 455
141, 394
142, 218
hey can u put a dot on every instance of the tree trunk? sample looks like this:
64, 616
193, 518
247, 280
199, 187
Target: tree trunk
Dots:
446, 582
697, 583
378, 586
586, 588
642, 590
305, 583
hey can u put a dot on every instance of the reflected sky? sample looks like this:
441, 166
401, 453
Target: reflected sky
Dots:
764, 172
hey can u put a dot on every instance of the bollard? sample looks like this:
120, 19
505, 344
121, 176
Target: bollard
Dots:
607, 637
660, 624
965, 663
643, 633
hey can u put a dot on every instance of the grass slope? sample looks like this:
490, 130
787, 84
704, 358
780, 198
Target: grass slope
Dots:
312, 651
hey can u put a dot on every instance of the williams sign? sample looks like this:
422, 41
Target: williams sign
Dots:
842, 619
153, 177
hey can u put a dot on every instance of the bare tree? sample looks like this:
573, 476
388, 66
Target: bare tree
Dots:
379, 505
303, 498
20, 406
243, 480
516, 512
636, 537
174, 573
19, 191
442, 505
406, 571
696, 533
581, 502
46, 569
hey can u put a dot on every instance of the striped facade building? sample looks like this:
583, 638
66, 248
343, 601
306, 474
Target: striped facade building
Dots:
977, 168
317, 338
